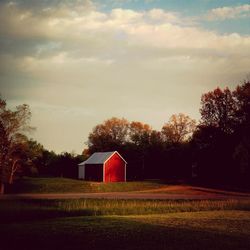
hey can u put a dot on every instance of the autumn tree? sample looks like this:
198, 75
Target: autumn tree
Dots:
110, 135
178, 129
13, 125
139, 133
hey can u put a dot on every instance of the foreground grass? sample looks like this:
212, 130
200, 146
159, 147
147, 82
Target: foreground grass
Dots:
124, 224
64, 185
21, 210
228, 230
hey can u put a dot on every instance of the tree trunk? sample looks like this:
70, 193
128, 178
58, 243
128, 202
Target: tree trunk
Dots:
11, 178
1, 188
13, 171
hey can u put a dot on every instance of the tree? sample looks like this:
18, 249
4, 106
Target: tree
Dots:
213, 144
139, 138
110, 135
13, 125
17, 158
139, 134
242, 96
178, 129
144, 147
219, 110
47, 163
242, 149
212, 149
221, 142
33, 154
242, 156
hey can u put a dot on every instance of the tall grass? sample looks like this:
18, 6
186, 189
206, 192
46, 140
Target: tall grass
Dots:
127, 207
38, 209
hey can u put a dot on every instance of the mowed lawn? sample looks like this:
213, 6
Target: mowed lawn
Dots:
65, 185
120, 224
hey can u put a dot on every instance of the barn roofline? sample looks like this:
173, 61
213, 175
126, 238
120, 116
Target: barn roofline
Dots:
112, 155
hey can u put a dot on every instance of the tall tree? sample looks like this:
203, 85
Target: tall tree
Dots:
139, 133
110, 135
13, 125
221, 141
219, 110
178, 129
242, 95
139, 138
33, 157
242, 149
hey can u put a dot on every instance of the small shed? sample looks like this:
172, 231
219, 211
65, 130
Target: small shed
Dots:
103, 166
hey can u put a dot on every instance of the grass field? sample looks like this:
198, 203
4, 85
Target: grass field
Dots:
124, 224
120, 224
64, 185
22, 210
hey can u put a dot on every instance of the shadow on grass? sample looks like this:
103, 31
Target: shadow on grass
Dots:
113, 233
35, 210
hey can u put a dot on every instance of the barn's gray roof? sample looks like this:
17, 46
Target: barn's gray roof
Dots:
99, 158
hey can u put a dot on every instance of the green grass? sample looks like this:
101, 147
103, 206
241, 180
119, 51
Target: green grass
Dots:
21, 210
227, 230
124, 224
64, 185
120, 224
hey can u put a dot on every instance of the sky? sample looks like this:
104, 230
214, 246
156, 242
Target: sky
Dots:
80, 62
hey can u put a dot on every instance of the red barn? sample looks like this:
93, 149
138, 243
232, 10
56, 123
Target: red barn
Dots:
103, 166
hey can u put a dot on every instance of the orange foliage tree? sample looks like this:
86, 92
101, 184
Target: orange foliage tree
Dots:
178, 129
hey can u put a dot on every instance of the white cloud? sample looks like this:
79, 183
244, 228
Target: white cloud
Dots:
132, 26
229, 12
163, 16
135, 64
125, 16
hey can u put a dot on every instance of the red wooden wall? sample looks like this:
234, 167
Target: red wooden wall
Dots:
115, 169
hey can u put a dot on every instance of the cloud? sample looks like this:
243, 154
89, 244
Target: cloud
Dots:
224, 13
65, 30
77, 65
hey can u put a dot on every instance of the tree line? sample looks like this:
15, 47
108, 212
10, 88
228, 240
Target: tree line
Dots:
149, 153
21, 156
215, 150
221, 142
